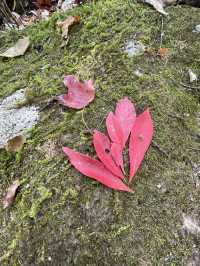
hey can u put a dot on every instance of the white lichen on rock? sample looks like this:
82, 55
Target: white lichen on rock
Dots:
190, 225
16, 121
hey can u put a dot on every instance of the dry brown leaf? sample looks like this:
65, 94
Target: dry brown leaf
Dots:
16, 143
44, 3
163, 52
64, 25
18, 49
10, 195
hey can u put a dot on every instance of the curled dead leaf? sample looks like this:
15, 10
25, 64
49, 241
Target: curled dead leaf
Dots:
18, 49
10, 195
64, 25
16, 143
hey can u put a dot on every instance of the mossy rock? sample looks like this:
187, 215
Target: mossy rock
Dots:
62, 218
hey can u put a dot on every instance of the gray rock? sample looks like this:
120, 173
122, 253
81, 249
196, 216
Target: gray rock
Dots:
14, 122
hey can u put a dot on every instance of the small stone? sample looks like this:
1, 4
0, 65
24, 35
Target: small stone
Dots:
192, 76
138, 73
197, 28
134, 48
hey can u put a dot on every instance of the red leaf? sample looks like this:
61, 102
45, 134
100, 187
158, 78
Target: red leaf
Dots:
95, 169
119, 127
103, 149
79, 94
141, 137
114, 129
126, 115
116, 151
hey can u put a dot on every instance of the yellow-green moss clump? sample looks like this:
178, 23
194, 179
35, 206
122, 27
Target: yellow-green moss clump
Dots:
60, 218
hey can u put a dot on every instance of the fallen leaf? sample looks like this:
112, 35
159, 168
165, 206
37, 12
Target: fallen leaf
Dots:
114, 129
10, 195
192, 76
79, 94
103, 149
18, 49
141, 137
64, 25
126, 115
16, 143
117, 154
119, 126
95, 169
163, 52
158, 5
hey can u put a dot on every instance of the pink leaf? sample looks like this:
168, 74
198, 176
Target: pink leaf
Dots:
79, 94
126, 115
141, 137
103, 149
95, 169
114, 129
116, 152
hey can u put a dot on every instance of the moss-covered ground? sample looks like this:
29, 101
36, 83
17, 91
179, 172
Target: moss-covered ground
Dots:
62, 218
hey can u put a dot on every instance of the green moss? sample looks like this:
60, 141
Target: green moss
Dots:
60, 216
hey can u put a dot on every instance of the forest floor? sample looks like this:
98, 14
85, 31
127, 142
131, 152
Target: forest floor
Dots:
60, 217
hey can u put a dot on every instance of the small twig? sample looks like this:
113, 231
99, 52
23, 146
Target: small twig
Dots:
194, 149
161, 33
189, 86
161, 150
101, 122
85, 124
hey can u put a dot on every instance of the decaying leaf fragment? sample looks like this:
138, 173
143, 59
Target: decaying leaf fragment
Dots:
10, 195
64, 25
18, 49
16, 143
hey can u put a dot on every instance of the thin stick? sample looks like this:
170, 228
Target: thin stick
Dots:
85, 124
188, 86
161, 150
161, 33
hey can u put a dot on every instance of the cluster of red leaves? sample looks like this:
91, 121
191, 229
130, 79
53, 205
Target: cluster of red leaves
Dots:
120, 125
